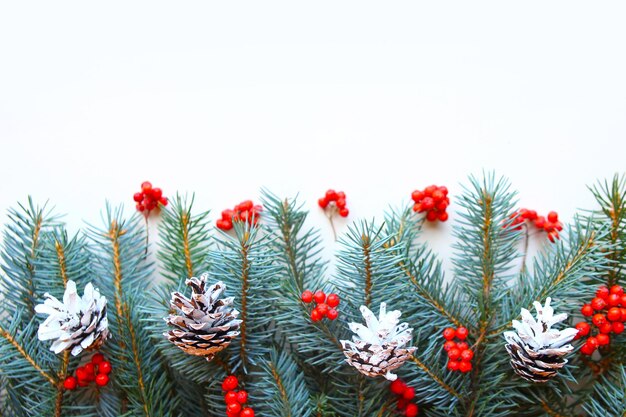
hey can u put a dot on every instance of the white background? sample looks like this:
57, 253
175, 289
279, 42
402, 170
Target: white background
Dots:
374, 98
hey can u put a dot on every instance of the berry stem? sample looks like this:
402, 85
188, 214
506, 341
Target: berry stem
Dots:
330, 213
332, 226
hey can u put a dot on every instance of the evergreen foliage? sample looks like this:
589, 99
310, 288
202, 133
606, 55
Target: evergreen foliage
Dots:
290, 365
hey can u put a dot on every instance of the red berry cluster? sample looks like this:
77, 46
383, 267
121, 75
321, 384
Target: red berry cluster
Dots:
434, 201
335, 201
405, 395
459, 354
325, 306
245, 211
235, 400
149, 198
608, 314
551, 225
97, 371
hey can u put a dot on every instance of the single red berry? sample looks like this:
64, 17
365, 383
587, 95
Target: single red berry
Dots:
163, 201
247, 412
465, 366
602, 292
90, 369
614, 300
428, 191
617, 327
230, 383
398, 386
432, 216
145, 186
592, 341
462, 346
70, 383
583, 329
450, 344
244, 216
449, 333
553, 217
587, 349
307, 296
157, 193
603, 339
454, 354
82, 374
344, 212
598, 319
230, 397
401, 404
442, 205
598, 303
319, 297
138, 197
233, 407
246, 205
614, 314
617, 289
104, 367
333, 300
97, 359
322, 202
428, 203
102, 380
444, 189
409, 393
606, 328
540, 221
411, 410
331, 195
227, 214
341, 203
417, 196
443, 216
467, 355
332, 314
315, 315
587, 310
462, 333
242, 397
453, 365
438, 196
323, 309
140, 207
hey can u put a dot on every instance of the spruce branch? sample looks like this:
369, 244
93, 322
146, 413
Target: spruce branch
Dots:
185, 240
121, 265
608, 398
611, 197
21, 248
13, 341
484, 255
422, 269
282, 388
246, 265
